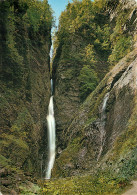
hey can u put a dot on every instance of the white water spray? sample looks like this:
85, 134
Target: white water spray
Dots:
51, 136
105, 102
102, 126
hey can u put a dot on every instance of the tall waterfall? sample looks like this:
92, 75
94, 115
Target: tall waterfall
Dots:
102, 124
51, 135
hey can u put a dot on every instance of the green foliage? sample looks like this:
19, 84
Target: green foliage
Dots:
83, 39
40, 17
25, 27
100, 5
4, 161
23, 124
15, 131
121, 48
16, 148
120, 162
121, 37
68, 158
29, 189
88, 81
87, 37
102, 182
128, 169
89, 55
23, 24
102, 42
87, 41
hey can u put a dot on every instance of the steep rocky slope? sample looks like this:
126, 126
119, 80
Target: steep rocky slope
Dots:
98, 135
25, 34
103, 122
86, 48
101, 153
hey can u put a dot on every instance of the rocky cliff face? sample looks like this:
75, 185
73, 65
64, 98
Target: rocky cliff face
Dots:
101, 152
84, 41
24, 91
67, 99
106, 115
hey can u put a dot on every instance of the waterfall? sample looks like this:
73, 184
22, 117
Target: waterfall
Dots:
102, 124
51, 86
105, 103
51, 135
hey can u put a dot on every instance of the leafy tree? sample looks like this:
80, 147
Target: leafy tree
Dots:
122, 47
86, 37
88, 81
24, 23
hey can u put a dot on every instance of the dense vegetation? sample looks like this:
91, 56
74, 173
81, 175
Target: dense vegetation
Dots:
103, 182
92, 37
25, 37
75, 174
87, 37
24, 24
114, 174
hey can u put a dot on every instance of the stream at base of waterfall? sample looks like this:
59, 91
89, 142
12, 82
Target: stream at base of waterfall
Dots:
51, 136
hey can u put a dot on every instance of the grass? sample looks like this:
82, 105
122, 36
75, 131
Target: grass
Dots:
101, 183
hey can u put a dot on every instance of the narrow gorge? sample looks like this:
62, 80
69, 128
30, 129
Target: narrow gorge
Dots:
89, 87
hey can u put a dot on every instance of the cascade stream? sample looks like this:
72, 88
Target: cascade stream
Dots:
51, 135
102, 126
